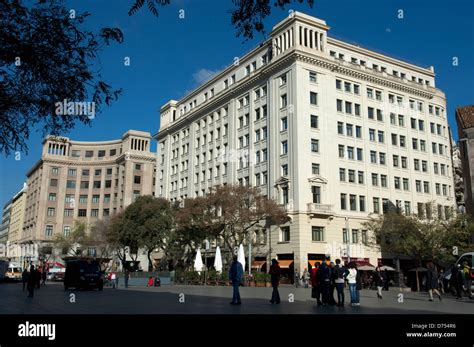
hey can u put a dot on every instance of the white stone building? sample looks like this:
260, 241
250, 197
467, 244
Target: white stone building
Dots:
331, 130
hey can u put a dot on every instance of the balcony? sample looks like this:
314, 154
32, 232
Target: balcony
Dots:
320, 209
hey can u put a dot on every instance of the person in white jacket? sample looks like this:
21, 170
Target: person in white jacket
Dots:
352, 280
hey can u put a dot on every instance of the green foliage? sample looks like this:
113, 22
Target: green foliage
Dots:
420, 238
45, 58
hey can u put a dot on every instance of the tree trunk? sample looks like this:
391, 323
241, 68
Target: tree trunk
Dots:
150, 264
417, 281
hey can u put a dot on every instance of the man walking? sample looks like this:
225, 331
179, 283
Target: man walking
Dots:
126, 276
236, 272
31, 281
275, 273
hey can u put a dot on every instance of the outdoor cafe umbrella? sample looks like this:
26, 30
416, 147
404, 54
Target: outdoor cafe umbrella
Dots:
386, 267
241, 256
218, 260
366, 268
198, 265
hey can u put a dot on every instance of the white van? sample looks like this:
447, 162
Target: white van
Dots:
469, 257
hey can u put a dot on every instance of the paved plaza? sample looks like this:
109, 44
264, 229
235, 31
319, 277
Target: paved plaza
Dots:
52, 299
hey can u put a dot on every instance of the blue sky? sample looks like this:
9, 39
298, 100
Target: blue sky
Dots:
169, 56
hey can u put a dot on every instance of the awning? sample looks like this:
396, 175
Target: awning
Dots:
257, 264
285, 264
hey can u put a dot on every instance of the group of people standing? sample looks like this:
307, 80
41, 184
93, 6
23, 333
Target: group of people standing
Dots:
325, 278
328, 277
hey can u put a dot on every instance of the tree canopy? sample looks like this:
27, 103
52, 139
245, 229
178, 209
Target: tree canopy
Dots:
47, 57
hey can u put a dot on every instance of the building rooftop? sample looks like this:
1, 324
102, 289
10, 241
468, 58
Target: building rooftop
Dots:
465, 116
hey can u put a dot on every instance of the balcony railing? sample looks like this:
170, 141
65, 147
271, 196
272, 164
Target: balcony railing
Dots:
324, 209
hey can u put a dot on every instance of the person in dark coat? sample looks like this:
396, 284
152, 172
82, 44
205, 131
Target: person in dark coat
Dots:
432, 281
386, 279
236, 272
126, 277
275, 273
378, 281
315, 285
24, 278
324, 274
455, 282
43, 276
31, 281
37, 278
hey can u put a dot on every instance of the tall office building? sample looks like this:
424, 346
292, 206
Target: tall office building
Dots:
85, 181
331, 130
465, 122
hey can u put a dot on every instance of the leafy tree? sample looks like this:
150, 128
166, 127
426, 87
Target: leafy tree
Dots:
72, 244
46, 58
420, 238
247, 16
144, 224
229, 214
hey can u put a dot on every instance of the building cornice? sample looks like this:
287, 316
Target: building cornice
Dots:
285, 60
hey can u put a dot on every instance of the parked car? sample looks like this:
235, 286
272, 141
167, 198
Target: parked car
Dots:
55, 276
83, 273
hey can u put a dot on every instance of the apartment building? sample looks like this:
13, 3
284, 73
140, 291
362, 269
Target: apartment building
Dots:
331, 130
85, 181
465, 122
17, 215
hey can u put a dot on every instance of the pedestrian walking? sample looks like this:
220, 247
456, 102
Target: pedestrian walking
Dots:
340, 272
432, 281
24, 278
113, 278
296, 277
378, 281
305, 278
44, 276
275, 273
236, 272
466, 276
440, 280
38, 277
353, 279
315, 285
456, 280
31, 281
126, 277
386, 279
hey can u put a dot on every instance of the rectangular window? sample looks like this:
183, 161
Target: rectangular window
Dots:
340, 128
95, 213
339, 105
350, 152
317, 234
357, 109
345, 236
314, 146
89, 154
376, 205
375, 179
284, 147
370, 113
312, 77
72, 172
314, 121
383, 181
358, 131
52, 197
341, 151
339, 84
348, 107
313, 98
71, 184
360, 177
342, 175
351, 176
285, 234
136, 180
283, 101
349, 130
373, 157
96, 185
355, 236
284, 126
343, 201
315, 169
82, 213
360, 155
316, 192
51, 211
48, 232
353, 202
